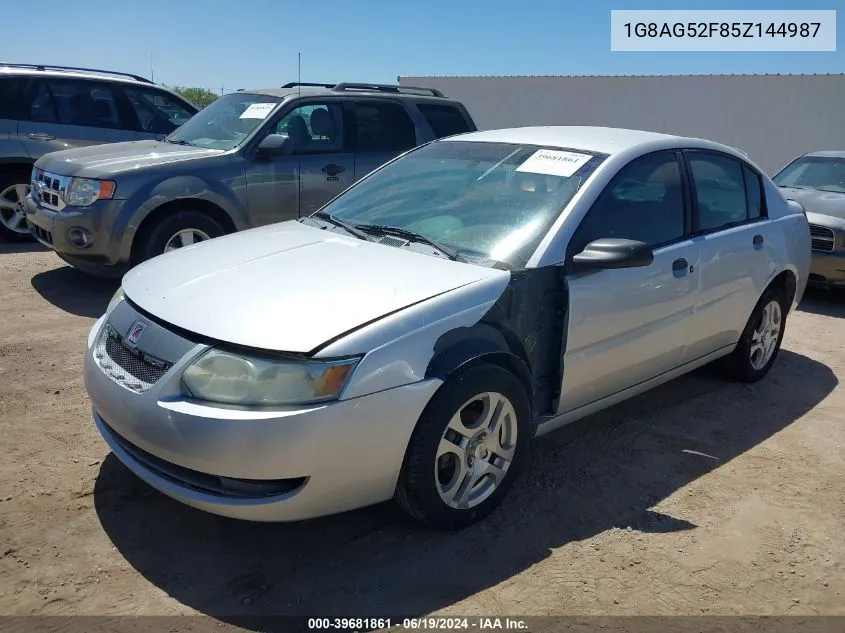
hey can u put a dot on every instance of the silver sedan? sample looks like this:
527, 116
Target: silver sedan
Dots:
408, 340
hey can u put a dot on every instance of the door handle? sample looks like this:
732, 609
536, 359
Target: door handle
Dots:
758, 240
41, 136
680, 265
333, 170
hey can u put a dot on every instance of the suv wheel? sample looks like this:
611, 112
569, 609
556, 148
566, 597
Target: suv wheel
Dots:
175, 231
13, 227
468, 447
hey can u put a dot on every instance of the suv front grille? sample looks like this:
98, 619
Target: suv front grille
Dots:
49, 188
130, 368
822, 238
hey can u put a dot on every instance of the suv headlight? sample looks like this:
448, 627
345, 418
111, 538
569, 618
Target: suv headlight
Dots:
230, 378
83, 192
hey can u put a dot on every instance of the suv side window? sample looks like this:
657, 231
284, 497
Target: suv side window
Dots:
157, 111
720, 190
42, 109
82, 102
316, 128
383, 126
644, 202
10, 96
445, 120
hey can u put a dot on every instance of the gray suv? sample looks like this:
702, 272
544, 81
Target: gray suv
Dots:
250, 158
48, 108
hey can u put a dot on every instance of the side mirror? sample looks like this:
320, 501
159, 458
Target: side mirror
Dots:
608, 253
274, 145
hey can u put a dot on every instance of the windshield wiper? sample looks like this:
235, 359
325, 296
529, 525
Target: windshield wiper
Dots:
180, 142
349, 228
408, 234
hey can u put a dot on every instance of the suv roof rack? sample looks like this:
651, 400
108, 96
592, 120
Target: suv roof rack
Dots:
76, 68
393, 88
295, 84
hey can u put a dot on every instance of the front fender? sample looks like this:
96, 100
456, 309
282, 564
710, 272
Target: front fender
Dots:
155, 193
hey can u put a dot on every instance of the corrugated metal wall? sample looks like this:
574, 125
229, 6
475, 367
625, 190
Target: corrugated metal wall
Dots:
773, 118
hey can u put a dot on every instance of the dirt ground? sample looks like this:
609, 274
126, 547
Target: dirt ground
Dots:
699, 497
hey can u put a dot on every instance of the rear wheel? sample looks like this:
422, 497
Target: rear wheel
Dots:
467, 449
181, 229
760, 342
13, 191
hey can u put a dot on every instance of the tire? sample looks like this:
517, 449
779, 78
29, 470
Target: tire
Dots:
426, 481
13, 227
740, 364
155, 240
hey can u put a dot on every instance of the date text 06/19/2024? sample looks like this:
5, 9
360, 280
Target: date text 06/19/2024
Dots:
419, 624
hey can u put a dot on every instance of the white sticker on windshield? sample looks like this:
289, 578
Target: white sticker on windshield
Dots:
552, 162
258, 111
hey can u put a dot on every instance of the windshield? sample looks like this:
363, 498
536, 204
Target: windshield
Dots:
226, 122
492, 200
814, 172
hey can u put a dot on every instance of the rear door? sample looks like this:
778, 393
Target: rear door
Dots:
733, 232
62, 113
381, 129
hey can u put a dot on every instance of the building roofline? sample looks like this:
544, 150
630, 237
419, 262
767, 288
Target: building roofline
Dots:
401, 77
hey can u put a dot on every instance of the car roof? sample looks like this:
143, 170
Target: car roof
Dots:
837, 153
602, 140
74, 74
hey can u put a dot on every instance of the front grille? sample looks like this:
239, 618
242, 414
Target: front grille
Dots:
131, 368
822, 238
48, 189
203, 482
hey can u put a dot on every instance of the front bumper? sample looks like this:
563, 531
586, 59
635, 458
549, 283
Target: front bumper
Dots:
261, 465
53, 228
828, 269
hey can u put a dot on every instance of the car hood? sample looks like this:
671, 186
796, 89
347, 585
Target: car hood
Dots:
99, 161
818, 203
289, 287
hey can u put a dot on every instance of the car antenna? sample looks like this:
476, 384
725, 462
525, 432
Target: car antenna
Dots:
299, 74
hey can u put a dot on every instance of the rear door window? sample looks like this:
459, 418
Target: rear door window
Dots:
445, 120
721, 197
82, 102
382, 126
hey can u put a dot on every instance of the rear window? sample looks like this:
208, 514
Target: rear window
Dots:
444, 120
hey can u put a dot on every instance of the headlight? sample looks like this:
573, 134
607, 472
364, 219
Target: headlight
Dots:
83, 192
116, 298
226, 377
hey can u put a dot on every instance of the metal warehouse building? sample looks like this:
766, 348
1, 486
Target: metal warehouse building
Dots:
772, 118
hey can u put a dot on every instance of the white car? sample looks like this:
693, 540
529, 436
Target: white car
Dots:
409, 340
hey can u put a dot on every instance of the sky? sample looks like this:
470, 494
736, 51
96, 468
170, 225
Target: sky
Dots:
231, 44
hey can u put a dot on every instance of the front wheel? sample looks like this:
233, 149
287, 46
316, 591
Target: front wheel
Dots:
176, 231
13, 226
467, 449
760, 341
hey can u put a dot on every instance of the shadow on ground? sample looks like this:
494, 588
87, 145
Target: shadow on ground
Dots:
824, 302
29, 246
75, 292
603, 472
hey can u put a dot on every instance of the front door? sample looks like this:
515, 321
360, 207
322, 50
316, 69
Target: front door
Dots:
318, 168
629, 325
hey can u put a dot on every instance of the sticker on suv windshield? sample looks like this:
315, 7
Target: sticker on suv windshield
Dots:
258, 111
552, 162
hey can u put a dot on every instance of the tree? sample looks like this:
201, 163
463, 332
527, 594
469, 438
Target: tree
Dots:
200, 97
